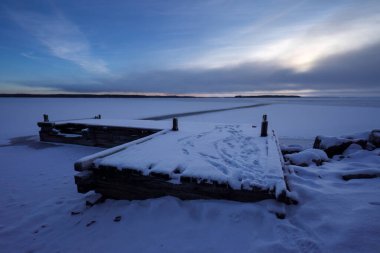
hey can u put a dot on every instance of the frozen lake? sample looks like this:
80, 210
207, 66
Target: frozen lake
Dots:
41, 211
292, 118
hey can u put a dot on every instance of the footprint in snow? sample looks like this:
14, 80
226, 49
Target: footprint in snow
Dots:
185, 151
38, 230
208, 156
235, 217
90, 223
298, 238
219, 166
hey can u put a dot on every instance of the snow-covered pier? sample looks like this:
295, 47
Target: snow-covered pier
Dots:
96, 131
199, 161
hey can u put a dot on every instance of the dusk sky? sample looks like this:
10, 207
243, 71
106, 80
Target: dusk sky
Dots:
306, 48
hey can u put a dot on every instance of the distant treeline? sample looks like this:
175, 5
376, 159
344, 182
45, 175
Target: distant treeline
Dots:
129, 96
90, 96
269, 96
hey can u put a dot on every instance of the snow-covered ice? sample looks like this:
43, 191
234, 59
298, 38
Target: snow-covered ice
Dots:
40, 210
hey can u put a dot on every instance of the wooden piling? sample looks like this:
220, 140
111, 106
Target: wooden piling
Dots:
175, 124
264, 126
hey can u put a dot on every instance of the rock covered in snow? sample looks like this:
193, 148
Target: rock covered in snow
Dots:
307, 157
336, 145
370, 146
352, 149
356, 136
291, 149
374, 138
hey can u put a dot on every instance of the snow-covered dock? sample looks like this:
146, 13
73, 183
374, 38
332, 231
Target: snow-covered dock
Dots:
98, 132
201, 160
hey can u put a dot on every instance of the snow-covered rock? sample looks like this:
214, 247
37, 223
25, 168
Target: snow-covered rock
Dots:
370, 146
356, 136
374, 138
336, 145
290, 149
307, 157
352, 149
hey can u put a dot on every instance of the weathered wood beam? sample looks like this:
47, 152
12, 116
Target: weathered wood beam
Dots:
85, 162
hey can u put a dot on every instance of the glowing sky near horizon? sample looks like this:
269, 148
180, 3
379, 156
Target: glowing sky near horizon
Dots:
215, 46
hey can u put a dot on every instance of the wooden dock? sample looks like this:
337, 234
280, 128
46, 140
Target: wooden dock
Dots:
149, 159
96, 132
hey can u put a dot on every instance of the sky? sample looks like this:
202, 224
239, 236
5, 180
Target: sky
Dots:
217, 47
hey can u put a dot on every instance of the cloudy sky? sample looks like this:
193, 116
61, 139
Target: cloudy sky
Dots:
194, 47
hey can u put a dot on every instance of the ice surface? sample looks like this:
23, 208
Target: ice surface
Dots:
302, 121
38, 193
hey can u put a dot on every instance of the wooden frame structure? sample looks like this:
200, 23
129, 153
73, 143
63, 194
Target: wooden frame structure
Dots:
128, 183
90, 134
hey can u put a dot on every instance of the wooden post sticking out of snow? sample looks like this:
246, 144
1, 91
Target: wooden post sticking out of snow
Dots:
264, 126
175, 124
46, 118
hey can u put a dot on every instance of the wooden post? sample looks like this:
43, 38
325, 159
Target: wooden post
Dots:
46, 118
264, 126
175, 124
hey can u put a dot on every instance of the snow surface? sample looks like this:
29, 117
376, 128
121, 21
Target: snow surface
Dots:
25, 112
302, 121
233, 154
38, 194
86, 162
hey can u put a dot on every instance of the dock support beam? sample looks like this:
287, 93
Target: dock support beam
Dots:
264, 126
175, 124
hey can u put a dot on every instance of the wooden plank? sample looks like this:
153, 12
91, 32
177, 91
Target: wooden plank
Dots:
130, 184
86, 162
91, 135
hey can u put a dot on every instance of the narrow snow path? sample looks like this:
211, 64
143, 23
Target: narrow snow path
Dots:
186, 114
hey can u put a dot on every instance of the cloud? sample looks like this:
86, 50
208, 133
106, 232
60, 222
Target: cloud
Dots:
336, 52
348, 73
297, 45
30, 55
62, 38
356, 69
12, 88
